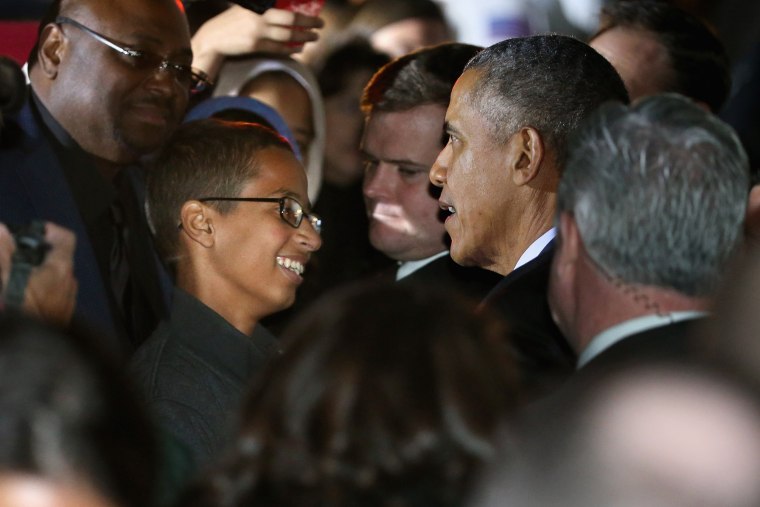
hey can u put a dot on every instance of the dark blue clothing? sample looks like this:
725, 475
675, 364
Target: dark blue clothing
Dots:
45, 175
194, 371
543, 354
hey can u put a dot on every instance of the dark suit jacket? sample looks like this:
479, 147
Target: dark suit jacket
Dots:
33, 186
541, 351
194, 371
669, 343
472, 282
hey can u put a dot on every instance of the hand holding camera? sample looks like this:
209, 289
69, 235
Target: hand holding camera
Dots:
37, 270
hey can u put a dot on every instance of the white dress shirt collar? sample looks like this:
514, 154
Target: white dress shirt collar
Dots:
536, 247
614, 334
407, 268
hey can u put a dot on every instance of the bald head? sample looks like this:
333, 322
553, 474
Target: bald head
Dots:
116, 106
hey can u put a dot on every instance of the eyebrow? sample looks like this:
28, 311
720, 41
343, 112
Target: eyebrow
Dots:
394, 161
450, 129
284, 192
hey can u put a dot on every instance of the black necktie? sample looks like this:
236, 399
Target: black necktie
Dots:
119, 262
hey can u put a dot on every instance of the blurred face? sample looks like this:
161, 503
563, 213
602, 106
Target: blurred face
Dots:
476, 189
286, 96
18, 490
344, 122
258, 259
111, 109
639, 58
405, 36
401, 204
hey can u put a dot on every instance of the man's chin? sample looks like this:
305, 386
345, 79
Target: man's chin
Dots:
145, 138
140, 146
462, 256
389, 245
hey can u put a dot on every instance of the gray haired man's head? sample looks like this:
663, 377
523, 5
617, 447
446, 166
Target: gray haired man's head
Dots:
658, 191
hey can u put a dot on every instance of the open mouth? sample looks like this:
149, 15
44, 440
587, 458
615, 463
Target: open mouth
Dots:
447, 208
291, 264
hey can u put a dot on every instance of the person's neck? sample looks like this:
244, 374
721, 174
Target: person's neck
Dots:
108, 169
527, 232
237, 315
603, 308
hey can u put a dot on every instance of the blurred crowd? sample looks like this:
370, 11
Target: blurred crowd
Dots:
392, 253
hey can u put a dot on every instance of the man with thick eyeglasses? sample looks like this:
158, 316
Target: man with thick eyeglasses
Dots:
110, 81
228, 203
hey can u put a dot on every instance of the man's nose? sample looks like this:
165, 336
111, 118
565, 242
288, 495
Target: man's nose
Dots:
440, 167
378, 181
164, 80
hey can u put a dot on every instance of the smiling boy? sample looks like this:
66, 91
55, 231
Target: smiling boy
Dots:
229, 209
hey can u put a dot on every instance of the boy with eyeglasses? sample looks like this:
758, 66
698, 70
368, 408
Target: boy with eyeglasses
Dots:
228, 205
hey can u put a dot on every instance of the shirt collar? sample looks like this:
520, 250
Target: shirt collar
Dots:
614, 334
216, 340
407, 268
536, 247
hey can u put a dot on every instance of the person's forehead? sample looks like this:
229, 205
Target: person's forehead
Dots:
279, 172
466, 89
160, 22
464, 116
406, 135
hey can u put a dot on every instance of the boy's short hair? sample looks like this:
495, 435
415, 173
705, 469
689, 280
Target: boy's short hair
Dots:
207, 157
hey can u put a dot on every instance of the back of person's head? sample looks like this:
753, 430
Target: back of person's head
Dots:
699, 63
425, 76
658, 191
384, 396
549, 82
663, 434
203, 158
68, 415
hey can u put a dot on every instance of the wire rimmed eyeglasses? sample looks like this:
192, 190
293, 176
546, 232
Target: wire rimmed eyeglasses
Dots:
195, 80
291, 211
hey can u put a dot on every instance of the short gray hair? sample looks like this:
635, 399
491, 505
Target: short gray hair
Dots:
549, 82
659, 192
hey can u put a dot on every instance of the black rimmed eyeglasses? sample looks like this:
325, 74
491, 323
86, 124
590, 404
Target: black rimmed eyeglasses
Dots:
195, 80
291, 211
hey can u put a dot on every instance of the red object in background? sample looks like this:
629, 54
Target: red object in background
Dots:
17, 39
308, 7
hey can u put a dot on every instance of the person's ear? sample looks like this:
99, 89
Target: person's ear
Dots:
568, 241
197, 223
564, 269
51, 50
752, 216
527, 153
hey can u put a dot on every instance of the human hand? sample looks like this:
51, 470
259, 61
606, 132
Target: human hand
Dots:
238, 31
52, 288
7, 247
